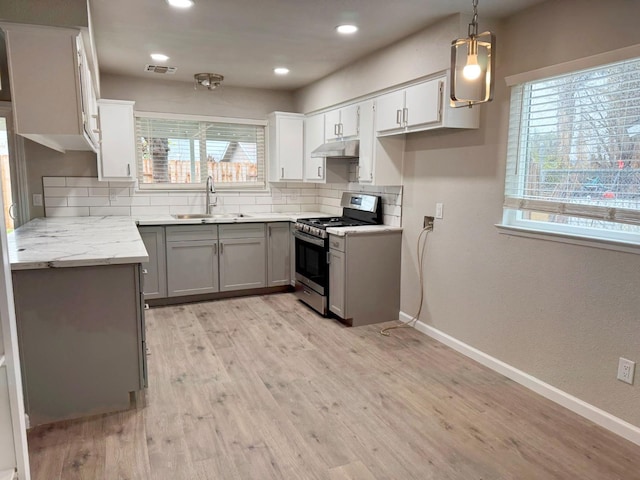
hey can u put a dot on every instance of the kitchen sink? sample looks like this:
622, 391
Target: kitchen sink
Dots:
204, 216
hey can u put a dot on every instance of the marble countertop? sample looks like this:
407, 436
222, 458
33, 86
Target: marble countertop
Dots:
245, 218
362, 229
75, 242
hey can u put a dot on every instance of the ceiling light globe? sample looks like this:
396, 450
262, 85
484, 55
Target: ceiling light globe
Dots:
347, 29
472, 70
280, 70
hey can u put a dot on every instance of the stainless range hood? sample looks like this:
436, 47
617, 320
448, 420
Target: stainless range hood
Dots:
343, 149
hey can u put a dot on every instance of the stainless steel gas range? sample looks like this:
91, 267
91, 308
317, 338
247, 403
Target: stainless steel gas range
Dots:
312, 245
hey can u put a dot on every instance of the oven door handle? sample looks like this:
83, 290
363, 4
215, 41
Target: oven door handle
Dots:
305, 237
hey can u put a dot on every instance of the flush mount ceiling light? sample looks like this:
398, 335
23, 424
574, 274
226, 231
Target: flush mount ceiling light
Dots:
159, 57
346, 29
208, 80
472, 66
180, 3
281, 70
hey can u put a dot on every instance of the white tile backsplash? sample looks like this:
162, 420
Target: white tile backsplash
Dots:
83, 196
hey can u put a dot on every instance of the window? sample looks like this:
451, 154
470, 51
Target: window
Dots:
181, 151
573, 157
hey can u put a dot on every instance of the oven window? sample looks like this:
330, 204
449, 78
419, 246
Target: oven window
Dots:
311, 262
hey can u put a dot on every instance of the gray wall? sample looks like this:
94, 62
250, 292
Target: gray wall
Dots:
562, 313
61, 13
160, 95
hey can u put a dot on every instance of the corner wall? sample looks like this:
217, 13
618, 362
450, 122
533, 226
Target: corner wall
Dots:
562, 313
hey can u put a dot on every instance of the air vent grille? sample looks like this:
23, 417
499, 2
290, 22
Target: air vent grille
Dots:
160, 69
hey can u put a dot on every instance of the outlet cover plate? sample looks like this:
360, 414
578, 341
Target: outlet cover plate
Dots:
626, 370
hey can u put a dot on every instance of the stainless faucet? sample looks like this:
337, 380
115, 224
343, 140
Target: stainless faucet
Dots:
209, 189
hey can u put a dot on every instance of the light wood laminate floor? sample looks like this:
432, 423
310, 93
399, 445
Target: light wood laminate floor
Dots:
262, 388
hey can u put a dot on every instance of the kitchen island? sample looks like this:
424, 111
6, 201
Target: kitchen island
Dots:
80, 316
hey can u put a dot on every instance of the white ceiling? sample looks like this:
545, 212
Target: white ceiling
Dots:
245, 39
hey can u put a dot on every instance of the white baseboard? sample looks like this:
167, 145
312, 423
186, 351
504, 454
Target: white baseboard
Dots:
595, 414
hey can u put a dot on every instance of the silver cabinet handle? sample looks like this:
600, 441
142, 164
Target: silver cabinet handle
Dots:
405, 116
340, 129
221, 248
328, 257
128, 169
306, 292
335, 129
282, 174
399, 117
269, 231
319, 172
215, 249
96, 130
145, 271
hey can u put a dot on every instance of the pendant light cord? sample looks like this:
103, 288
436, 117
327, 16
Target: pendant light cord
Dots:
420, 251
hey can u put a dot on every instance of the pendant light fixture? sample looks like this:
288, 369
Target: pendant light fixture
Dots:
472, 66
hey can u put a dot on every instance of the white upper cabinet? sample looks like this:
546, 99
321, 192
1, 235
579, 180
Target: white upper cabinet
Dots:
117, 154
422, 106
314, 167
341, 123
286, 146
381, 158
51, 86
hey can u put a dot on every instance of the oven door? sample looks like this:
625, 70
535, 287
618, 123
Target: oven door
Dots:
311, 261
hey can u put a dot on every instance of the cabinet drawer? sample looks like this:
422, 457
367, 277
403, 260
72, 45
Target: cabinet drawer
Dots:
178, 233
337, 243
242, 230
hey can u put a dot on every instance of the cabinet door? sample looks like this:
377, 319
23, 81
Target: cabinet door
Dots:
332, 125
278, 254
349, 121
367, 139
337, 283
118, 147
242, 263
313, 138
290, 147
192, 267
424, 103
389, 111
155, 270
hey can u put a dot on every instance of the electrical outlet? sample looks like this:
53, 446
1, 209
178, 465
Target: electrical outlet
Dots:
626, 370
37, 199
428, 222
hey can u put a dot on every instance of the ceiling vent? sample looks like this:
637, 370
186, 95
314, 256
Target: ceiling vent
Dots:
160, 69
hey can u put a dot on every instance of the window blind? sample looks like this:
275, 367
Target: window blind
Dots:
184, 152
574, 144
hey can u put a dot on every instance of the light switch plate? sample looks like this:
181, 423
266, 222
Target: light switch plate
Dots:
37, 199
439, 207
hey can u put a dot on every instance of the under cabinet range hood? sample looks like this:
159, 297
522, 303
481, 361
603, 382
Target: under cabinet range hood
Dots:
341, 149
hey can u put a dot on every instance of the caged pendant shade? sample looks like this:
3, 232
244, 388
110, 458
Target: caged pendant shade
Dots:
472, 66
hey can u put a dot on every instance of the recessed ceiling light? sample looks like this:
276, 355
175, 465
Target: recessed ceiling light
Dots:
180, 3
159, 57
280, 70
346, 29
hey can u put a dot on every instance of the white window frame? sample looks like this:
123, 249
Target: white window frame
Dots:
513, 221
259, 187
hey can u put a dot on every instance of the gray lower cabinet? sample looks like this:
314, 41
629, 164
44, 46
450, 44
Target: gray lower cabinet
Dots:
242, 256
192, 260
278, 254
155, 270
81, 339
337, 277
364, 277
